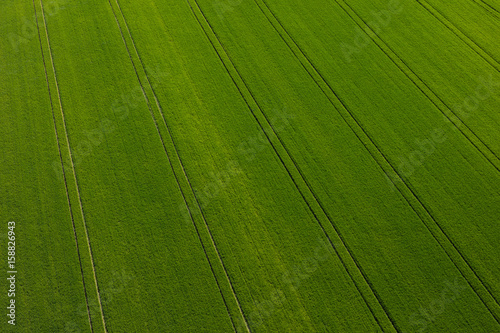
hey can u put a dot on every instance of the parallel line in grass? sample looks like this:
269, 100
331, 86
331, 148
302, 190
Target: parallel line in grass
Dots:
462, 264
446, 110
425, 89
488, 7
179, 161
418, 209
63, 171
370, 297
73, 166
490, 298
485, 294
453, 28
405, 189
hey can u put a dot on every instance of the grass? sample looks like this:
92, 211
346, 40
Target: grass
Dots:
49, 281
259, 166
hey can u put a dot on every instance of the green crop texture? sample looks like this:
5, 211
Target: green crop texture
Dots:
250, 166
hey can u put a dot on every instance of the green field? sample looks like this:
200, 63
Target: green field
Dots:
250, 166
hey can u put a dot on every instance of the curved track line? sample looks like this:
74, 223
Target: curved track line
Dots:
302, 177
73, 168
420, 209
63, 171
183, 170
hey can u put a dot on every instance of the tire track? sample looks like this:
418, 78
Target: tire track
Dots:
495, 12
72, 168
494, 8
497, 306
475, 282
460, 34
184, 196
442, 106
322, 214
63, 171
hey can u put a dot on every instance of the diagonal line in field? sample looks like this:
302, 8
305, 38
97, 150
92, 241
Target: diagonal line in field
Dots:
445, 109
73, 167
488, 7
419, 208
244, 90
63, 171
496, 306
460, 34
214, 246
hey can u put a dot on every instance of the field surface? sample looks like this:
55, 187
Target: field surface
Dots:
250, 166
